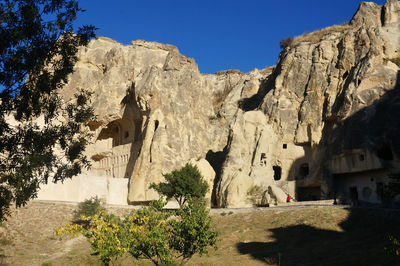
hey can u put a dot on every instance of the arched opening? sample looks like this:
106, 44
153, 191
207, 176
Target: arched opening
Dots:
385, 152
304, 170
263, 159
277, 172
120, 132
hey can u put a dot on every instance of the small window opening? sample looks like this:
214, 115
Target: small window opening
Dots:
385, 152
126, 134
359, 82
277, 172
263, 159
284, 146
304, 170
361, 157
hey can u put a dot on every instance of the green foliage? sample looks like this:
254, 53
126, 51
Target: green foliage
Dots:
38, 50
103, 231
149, 233
88, 207
192, 232
393, 248
183, 184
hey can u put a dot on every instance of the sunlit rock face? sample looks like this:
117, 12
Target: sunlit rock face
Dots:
337, 95
282, 130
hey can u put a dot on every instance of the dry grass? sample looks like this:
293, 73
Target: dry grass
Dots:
317, 36
286, 236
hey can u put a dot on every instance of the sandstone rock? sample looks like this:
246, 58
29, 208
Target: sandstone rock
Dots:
208, 173
277, 193
278, 129
236, 192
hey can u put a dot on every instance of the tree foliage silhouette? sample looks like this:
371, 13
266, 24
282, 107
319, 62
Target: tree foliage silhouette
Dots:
41, 134
183, 184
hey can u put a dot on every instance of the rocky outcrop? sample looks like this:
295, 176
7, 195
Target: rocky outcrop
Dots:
316, 88
273, 128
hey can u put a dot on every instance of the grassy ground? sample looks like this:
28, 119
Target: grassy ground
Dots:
276, 236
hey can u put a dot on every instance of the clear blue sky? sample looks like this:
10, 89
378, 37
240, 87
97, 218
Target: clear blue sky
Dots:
218, 34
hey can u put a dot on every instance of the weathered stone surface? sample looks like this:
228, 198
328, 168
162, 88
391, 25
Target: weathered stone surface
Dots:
278, 129
208, 173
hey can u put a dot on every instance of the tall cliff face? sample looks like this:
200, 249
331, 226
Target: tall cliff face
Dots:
265, 133
324, 100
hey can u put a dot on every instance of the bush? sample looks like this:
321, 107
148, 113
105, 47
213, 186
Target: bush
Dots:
182, 184
393, 248
149, 233
88, 207
103, 232
192, 232
148, 236
285, 42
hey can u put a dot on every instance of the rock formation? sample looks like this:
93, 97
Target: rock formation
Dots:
289, 129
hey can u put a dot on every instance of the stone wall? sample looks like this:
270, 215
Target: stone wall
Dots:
79, 188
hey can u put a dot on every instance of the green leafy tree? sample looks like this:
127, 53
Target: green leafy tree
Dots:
192, 232
182, 184
148, 236
103, 231
151, 233
88, 207
38, 50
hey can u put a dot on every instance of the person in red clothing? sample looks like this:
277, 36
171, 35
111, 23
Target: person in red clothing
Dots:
288, 198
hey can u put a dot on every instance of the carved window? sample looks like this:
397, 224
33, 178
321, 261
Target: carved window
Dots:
277, 172
263, 159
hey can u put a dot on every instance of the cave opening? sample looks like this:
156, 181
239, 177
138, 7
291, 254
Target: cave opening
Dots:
277, 172
304, 170
216, 160
385, 152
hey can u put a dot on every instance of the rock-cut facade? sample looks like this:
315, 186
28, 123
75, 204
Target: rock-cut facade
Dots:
322, 123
